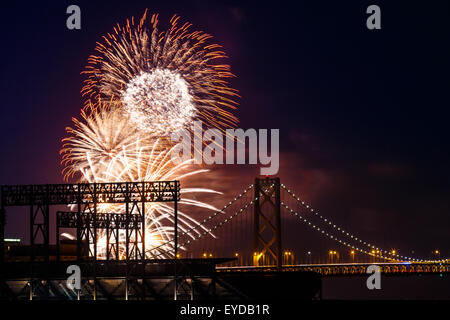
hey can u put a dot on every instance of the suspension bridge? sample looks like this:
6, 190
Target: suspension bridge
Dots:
265, 232
265, 228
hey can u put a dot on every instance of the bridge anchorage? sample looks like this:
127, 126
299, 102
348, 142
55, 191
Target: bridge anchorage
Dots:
259, 238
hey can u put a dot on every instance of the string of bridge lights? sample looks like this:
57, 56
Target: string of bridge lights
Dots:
206, 220
329, 222
341, 230
220, 224
218, 212
316, 228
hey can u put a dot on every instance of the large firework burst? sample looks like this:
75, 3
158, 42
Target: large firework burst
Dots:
97, 139
105, 147
163, 79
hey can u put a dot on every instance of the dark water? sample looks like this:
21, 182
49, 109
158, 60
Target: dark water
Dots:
411, 287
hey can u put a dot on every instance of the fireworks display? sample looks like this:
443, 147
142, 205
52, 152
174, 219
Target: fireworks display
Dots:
96, 141
147, 162
163, 79
143, 85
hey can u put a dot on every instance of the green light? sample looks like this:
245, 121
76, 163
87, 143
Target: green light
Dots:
11, 240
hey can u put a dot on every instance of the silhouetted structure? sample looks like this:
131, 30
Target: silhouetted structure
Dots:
39, 269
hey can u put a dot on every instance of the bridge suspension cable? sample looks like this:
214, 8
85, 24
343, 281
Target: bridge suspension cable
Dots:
316, 228
220, 224
345, 233
210, 230
204, 221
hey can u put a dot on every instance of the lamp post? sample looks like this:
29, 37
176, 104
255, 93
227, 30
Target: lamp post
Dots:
437, 253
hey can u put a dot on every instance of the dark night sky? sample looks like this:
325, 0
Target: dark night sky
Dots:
363, 115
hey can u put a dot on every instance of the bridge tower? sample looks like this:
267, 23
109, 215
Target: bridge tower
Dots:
267, 222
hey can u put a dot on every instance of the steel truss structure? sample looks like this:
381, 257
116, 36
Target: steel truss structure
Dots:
85, 198
267, 220
88, 223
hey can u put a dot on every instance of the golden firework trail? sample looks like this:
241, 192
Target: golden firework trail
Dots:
140, 165
164, 80
105, 147
97, 139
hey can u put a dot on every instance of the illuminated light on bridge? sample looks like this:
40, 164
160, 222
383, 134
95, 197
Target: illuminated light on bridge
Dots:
341, 230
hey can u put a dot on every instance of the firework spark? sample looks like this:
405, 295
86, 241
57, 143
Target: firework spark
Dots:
161, 96
104, 147
153, 166
96, 140
171, 75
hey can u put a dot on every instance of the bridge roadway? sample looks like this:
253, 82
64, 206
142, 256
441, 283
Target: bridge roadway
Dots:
337, 269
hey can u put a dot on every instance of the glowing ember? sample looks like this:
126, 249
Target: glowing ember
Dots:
159, 102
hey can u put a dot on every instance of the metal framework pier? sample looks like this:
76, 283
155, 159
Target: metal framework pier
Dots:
87, 219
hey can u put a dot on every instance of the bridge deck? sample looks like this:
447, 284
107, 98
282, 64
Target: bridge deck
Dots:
348, 268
